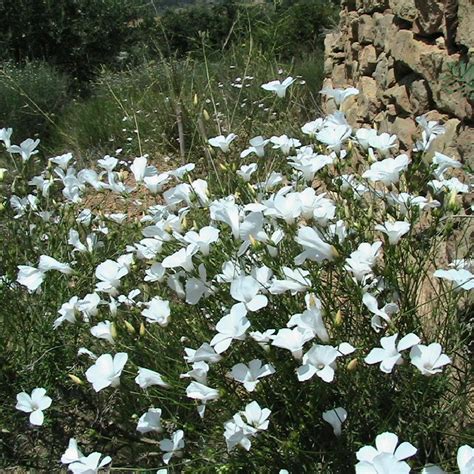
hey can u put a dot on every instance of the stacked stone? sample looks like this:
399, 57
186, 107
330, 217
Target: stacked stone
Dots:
399, 54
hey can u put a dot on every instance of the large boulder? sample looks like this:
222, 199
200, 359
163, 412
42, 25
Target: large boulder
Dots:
465, 29
404, 9
431, 17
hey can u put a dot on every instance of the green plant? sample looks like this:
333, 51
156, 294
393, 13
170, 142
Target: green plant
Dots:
32, 96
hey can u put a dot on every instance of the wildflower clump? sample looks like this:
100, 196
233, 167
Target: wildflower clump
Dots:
246, 305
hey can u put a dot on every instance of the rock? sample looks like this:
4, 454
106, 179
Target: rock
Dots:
404, 9
430, 19
420, 96
328, 66
367, 60
405, 129
365, 30
385, 28
370, 6
465, 145
465, 29
398, 95
333, 43
367, 98
339, 77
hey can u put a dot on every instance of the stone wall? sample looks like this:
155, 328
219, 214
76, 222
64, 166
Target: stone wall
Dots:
400, 54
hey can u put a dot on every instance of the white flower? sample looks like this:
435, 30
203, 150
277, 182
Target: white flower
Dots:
245, 289
311, 319
321, 361
389, 354
292, 340
284, 143
386, 458
34, 404
246, 171
295, 281
150, 421
199, 391
109, 273
465, 459
333, 137
72, 453
62, 160
339, 95
363, 135
103, 330
256, 416
257, 146
394, 230
30, 277
383, 142
335, 418
107, 370
277, 87
361, 261
443, 162
108, 163
147, 378
315, 248
173, 446
182, 258
463, 278
222, 142
429, 360
5, 134
249, 374
379, 314
387, 171
26, 149
230, 327
157, 311
90, 464
140, 168
49, 263
204, 353
206, 236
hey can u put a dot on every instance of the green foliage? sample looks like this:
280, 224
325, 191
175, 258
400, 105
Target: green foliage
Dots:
76, 35
461, 77
137, 109
31, 97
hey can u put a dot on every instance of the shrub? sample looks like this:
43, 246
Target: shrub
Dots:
321, 260
31, 97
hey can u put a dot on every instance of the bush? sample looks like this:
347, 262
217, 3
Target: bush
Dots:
315, 262
31, 97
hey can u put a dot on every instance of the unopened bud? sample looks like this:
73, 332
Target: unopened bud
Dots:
334, 252
129, 327
113, 331
452, 201
205, 114
2, 173
142, 329
195, 99
222, 167
76, 379
352, 365
338, 318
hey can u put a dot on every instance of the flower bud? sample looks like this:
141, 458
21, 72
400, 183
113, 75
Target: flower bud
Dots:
113, 331
205, 114
195, 99
76, 379
2, 206
452, 201
142, 329
338, 318
130, 328
352, 365
2, 173
222, 167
